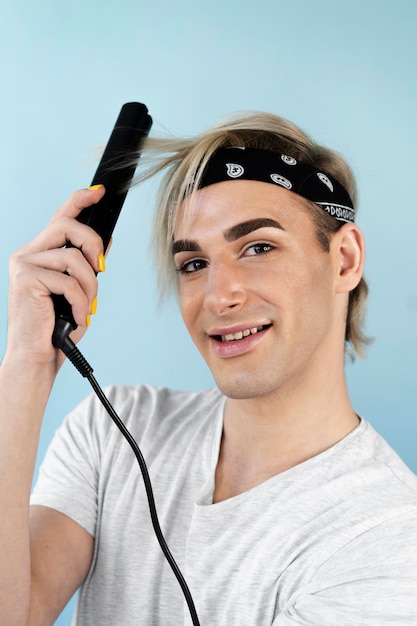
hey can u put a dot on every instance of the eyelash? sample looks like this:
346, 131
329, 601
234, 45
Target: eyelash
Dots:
182, 269
262, 245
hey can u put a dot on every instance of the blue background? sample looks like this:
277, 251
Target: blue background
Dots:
344, 71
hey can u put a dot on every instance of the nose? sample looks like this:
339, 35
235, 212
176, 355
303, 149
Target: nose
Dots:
224, 289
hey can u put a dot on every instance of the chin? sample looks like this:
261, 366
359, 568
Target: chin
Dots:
244, 389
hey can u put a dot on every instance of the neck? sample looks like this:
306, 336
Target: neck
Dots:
289, 431
267, 435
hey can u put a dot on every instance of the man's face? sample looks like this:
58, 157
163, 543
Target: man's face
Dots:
256, 290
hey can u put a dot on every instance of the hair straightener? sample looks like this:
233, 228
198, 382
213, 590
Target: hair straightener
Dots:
115, 171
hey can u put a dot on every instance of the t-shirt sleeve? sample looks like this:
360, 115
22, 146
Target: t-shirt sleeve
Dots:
372, 582
69, 474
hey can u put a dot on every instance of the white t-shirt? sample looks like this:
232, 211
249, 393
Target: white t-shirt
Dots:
329, 542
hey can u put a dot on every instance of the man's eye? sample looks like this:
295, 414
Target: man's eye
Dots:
189, 267
258, 248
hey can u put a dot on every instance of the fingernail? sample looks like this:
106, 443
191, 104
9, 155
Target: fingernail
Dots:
93, 307
88, 321
94, 187
101, 263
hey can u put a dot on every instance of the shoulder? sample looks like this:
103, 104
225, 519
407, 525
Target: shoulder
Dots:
380, 460
151, 395
362, 535
163, 402
375, 494
142, 408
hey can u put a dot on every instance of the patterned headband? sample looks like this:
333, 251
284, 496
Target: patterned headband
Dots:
285, 171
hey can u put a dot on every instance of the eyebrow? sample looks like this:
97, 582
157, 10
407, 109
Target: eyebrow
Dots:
231, 234
245, 228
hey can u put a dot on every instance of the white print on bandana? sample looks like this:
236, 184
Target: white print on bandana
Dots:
325, 180
288, 160
234, 170
340, 212
281, 180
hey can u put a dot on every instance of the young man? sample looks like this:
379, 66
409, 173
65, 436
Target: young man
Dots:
280, 504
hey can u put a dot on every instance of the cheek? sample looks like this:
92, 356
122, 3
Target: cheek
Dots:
307, 290
315, 291
189, 307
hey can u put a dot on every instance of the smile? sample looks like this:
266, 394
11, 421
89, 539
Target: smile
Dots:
241, 334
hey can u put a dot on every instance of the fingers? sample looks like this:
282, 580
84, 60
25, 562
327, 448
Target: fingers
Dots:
78, 201
47, 266
63, 229
61, 271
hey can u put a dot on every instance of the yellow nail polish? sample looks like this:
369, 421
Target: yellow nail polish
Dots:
94, 187
93, 307
88, 321
101, 263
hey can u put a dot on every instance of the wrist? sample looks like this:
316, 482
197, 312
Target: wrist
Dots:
29, 368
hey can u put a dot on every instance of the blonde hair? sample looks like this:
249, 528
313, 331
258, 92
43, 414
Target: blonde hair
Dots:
185, 159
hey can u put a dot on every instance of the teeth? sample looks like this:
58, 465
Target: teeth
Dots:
241, 334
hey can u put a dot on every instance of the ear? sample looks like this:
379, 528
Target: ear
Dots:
348, 249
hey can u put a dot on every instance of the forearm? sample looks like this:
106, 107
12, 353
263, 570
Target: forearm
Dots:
42, 267
24, 391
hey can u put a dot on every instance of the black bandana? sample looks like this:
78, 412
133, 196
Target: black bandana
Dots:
279, 169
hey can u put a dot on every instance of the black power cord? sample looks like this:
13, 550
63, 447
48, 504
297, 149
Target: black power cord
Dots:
63, 341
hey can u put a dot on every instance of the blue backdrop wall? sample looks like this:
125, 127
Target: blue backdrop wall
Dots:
344, 71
